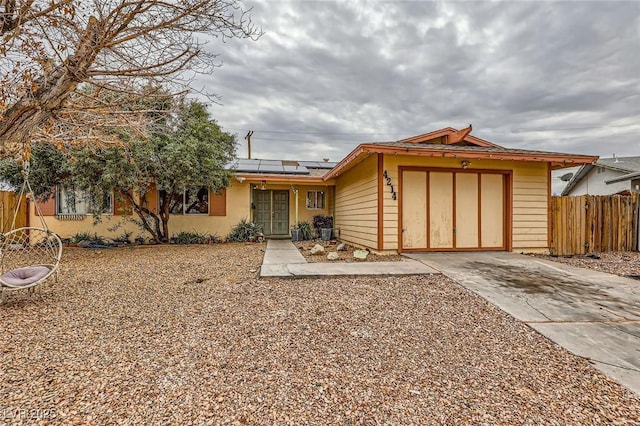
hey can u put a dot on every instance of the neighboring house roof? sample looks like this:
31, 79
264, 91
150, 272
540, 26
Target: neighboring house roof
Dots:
630, 166
624, 164
628, 176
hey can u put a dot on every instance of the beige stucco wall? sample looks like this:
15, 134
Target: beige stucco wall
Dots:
238, 207
357, 204
530, 196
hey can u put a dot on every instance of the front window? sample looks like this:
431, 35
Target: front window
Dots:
75, 201
191, 201
315, 200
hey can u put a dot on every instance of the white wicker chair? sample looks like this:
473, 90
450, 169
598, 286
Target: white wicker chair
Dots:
28, 258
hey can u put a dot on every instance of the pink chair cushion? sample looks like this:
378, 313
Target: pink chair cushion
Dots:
22, 277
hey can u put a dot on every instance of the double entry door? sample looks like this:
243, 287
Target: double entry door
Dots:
271, 210
453, 210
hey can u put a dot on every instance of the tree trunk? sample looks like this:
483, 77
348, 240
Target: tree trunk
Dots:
165, 204
50, 92
144, 214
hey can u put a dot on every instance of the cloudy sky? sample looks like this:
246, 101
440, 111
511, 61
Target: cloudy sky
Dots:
327, 75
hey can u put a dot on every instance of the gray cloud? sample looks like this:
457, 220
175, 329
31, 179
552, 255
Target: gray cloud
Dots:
327, 75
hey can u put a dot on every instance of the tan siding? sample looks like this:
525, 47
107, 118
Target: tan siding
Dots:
356, 204
528, 218
530, 207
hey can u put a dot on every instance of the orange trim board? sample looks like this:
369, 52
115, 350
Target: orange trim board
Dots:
426, 151
309, 180
380, 202
558, 160
400, 186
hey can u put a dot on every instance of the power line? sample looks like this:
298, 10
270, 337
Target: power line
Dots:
415, 132
317, 133
329, 141
525, 140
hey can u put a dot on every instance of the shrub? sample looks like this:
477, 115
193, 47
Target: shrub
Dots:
321, 221
124, 238
87, 236
306, 230
244, 231
190, 238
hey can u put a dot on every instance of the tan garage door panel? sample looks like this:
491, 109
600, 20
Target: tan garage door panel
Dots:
492, 210
466, 210
441, 210
414, 209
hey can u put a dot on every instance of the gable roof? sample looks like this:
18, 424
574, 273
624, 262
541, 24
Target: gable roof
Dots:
449, 136
630, 166
469, 147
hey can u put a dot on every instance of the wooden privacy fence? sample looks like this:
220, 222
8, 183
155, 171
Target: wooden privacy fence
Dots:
8, 201
593, 223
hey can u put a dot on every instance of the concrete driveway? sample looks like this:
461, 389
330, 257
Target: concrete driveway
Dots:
592, 314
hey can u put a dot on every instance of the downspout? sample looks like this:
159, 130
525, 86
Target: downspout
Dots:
251, 210
333, 204
295, 191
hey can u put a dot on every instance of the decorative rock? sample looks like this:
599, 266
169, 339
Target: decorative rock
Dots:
360, 254
333, 255
341, 247
317, 249
84, 243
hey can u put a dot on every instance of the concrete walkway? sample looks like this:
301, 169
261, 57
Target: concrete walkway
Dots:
592, 314
283, 259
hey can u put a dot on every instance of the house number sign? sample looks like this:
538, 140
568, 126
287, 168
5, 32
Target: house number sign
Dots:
390, 185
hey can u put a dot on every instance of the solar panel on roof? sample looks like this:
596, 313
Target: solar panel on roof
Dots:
248, 163
319, 164
248, 166
296, 170
268, 168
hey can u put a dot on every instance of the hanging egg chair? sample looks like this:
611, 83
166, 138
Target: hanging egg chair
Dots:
29, 256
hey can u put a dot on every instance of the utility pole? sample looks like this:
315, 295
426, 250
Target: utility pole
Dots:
248, 138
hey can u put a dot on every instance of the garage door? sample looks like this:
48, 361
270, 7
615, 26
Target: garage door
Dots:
452, 210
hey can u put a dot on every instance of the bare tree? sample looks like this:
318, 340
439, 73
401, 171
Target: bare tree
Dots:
65, 65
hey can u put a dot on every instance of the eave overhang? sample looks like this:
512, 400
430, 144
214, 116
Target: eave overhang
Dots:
557, 160
623, 178
308, 180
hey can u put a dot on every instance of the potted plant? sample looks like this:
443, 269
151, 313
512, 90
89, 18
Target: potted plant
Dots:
306, 230
324, 226
295, 233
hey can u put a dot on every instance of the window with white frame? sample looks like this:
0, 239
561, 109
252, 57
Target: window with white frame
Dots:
191, 201
74, 201
315, 200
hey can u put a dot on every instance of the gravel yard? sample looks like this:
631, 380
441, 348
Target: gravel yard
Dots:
189, 335
620, 263
344, 256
